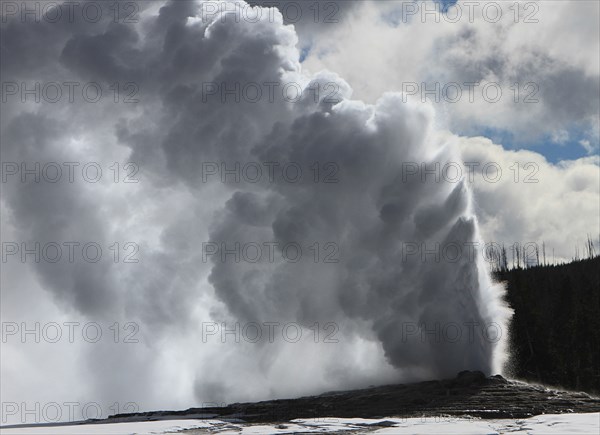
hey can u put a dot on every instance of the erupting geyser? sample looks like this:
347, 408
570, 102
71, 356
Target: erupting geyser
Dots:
269, 198
433, 313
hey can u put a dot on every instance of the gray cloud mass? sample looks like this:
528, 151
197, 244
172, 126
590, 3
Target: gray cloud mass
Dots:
371, 293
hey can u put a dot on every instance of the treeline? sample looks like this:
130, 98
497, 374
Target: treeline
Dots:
555, 331
531, 254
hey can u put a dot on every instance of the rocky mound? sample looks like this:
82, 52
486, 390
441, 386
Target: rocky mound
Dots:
469, 394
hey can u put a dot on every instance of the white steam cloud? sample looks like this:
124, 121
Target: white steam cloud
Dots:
377, 305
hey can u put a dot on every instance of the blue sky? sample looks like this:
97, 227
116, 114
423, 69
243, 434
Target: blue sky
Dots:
569, 148
446, 3
554, 152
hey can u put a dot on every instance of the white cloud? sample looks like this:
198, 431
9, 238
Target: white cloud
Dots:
547, 71
534, 200
587, 146
560, 136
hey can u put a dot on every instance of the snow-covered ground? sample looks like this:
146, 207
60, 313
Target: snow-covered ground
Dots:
542, 424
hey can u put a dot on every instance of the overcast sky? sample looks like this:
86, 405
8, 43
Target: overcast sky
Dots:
174, 170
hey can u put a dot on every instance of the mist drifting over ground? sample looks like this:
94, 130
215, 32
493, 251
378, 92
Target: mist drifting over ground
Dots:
288, 206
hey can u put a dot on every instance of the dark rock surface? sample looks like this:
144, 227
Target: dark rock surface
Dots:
469, 394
